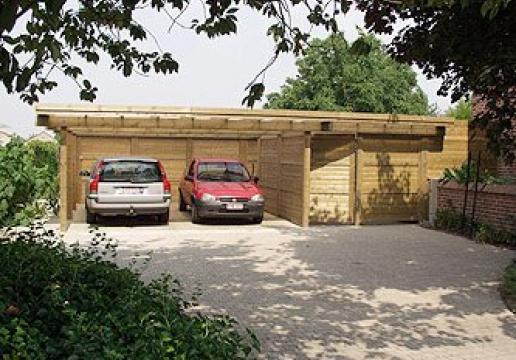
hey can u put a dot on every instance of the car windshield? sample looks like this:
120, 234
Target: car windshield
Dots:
130, 171
222, 171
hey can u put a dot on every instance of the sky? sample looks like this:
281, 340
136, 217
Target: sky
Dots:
212, 72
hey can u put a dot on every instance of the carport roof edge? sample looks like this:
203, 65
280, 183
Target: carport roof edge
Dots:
57, 116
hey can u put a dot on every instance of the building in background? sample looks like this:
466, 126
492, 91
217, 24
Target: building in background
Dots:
5, 136
44, 135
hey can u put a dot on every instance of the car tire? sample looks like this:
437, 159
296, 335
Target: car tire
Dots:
196, 219
164, 218
182, 203
258, 220
91, 218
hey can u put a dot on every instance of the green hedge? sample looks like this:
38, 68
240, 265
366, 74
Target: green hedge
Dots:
451, 220
508, 286
28, 173
75, 303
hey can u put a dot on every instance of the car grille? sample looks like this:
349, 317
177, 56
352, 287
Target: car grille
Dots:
232, 199
225, 211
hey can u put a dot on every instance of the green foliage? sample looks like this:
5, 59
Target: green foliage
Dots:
28, 173
488, 234
465, 173
508, 286
451, 220
56, 32
75, 303
336, 76
62, 35
462, 110
448, 219
46, 162
469, 44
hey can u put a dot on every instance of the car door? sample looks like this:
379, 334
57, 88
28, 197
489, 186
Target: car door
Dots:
188, 183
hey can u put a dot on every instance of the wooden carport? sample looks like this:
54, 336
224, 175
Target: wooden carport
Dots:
315, 167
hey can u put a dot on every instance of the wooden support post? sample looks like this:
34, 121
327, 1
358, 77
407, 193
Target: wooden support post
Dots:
279, 209
423, 186
189, 152
258, 157
306, 180
74, 190
358, 173
63, 188
351, 187
242, 152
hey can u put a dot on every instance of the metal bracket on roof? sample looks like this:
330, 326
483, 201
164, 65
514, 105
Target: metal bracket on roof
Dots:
42, 120
326, 126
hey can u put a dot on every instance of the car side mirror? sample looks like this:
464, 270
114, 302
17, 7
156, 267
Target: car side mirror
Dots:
84, 173
256, 179
188, 177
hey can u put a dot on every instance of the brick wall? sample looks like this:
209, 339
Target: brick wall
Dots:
496, 204
506, 171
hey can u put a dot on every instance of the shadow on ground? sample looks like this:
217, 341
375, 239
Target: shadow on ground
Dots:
378, 292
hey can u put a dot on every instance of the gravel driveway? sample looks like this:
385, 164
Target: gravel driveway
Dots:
374, 292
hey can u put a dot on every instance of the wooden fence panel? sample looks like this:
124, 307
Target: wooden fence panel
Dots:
282, 176
330, 172
269, 167
390, 180
451, 152
291, 178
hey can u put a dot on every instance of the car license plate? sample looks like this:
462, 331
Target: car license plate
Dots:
235, 206
131, 191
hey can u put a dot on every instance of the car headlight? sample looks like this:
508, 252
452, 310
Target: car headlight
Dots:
257, 198
208, 197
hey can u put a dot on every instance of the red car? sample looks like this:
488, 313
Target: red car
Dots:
220, 188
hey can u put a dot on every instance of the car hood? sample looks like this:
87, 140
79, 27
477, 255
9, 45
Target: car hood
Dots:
236, 189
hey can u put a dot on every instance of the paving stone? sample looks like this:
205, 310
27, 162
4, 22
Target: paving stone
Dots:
372, 292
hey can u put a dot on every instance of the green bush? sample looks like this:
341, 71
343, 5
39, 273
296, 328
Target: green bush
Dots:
451, 220
75, 303
448, 219
45, 157
28, 173
460, 175
508, 286
488, 234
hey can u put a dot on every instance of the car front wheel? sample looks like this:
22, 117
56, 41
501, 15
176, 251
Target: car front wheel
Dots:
196, 219
258, 220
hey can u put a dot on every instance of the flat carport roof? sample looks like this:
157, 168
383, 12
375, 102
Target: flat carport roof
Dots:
169, 121
192, 122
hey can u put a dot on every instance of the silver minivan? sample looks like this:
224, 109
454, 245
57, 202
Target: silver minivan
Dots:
127, 186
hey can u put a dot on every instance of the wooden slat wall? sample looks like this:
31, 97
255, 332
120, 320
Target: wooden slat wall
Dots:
330, 180
389, 184
175, 153
452, 152
281, 176
291, 178
269, 155
90, 149
171, 152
